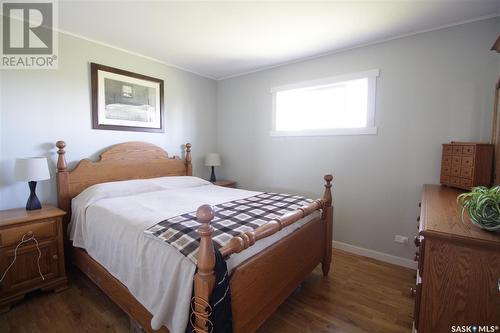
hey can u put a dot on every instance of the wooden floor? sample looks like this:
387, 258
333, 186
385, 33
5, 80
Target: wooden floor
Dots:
360, 295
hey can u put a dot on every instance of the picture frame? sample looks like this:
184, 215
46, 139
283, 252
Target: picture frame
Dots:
126, 101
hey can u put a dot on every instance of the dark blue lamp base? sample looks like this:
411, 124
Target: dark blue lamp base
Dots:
212, 176
33, 202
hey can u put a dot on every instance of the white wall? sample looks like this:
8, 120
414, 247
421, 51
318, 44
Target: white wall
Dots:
433, 88
39, 107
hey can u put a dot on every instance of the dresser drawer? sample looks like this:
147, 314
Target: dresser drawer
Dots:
446, 160
467, 161
468, 150
455, 170
447, 149
445, 179
465, 182
466, 172
457, 150
455, 181
446, 170
456, 160
44, 229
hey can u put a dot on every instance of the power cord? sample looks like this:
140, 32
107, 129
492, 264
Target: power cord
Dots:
25, 239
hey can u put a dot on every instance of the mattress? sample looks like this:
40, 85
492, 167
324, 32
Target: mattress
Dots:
109, 219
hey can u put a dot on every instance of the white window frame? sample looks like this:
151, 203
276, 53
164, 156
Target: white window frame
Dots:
369, 129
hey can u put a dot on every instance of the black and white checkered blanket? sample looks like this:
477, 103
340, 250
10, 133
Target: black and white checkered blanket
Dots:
231, 219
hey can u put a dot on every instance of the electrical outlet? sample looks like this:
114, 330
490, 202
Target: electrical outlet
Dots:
401, 239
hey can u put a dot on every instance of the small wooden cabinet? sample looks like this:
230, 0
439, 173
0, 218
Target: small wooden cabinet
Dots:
458, 275
43, 226
465, 164
226, 183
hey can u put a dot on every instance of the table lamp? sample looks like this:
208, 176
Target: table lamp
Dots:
212, 160
32, 170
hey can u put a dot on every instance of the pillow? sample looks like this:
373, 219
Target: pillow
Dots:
130, 187
174, 182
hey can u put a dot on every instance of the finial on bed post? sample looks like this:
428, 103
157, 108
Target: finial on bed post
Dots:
189, 166
327, 216
328, 192
61, 161
204, 279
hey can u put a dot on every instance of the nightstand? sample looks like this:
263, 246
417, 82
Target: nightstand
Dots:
45, 226
225, 183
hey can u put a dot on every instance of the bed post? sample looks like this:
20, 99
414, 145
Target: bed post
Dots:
189, 166
62, 180
328, 218
63, 198
204, 279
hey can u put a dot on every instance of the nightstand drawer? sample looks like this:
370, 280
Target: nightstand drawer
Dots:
25, 267
41, 230
24, 273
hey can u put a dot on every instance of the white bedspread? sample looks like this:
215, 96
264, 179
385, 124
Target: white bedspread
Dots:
109, 220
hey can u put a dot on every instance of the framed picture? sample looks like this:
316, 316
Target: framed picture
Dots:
125, 101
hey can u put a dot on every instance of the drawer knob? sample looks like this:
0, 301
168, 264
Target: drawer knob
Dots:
55, 257
29, 234
413, 292
416, 241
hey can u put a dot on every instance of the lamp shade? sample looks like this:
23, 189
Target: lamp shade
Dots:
32, 169
212, 159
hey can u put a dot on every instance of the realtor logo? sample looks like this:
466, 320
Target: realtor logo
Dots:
29, 40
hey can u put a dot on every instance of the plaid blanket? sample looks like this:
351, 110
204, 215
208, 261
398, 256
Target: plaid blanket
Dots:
231, 219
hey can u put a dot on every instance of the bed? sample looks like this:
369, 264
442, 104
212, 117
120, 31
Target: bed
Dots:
266, 264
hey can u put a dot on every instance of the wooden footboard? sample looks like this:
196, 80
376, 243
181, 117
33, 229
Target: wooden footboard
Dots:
263, 282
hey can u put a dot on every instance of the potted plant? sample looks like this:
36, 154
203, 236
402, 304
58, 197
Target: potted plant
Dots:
483, 207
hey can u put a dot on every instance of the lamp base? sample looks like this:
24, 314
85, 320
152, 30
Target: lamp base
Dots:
212, 176
33, 202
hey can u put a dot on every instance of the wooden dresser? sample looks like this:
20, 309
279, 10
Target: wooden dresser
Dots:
41, 253
467, 164
458, 276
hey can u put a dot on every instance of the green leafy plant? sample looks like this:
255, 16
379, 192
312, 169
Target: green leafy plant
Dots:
483, 206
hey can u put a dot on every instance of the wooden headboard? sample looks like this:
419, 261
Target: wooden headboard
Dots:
124, 161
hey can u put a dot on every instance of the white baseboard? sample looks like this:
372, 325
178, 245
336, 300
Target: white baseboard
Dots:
375, 255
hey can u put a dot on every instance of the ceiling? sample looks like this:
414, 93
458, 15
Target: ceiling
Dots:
229, 38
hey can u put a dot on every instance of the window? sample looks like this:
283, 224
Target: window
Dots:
342, 105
